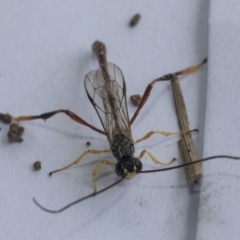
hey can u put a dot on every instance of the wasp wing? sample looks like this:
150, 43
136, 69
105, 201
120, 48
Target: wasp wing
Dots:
106, 91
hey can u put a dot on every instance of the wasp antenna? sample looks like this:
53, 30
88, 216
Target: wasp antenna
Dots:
191, 163
77, 201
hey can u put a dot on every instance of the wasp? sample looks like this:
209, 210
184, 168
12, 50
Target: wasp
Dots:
106, 90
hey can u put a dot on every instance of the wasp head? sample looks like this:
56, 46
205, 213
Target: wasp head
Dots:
128, 168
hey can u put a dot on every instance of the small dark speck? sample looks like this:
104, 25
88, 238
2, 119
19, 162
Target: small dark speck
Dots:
37, 166
135, 19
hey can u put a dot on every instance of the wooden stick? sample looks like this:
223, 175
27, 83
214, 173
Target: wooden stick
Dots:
186, 145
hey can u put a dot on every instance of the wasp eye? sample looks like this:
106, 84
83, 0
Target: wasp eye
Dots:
119, 169
138, 165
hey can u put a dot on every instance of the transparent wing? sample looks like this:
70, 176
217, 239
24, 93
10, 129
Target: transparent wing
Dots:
107, 93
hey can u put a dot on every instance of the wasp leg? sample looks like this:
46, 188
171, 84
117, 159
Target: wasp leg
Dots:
91, 151
70, 114
96, 169
149, 134
154, 159
166, 77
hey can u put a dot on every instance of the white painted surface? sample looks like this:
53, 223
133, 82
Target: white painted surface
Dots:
220, 192
45, 54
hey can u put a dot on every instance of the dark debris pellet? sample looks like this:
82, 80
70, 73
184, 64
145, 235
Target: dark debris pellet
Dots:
15, 132
6, 118
135, 99
13, 137
37, 165
135, 19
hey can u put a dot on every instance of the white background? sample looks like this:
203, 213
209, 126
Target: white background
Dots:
45, 54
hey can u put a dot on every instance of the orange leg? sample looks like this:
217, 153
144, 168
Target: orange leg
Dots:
166, 77
70, 114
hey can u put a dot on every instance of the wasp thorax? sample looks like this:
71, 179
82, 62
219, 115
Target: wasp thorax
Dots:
128, 168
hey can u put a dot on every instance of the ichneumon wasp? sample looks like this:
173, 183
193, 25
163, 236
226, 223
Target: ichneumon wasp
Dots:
106, 90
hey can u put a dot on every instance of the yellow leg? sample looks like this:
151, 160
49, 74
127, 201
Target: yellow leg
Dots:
154, 159
191, 69
149, 134
92, 151
96, 169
